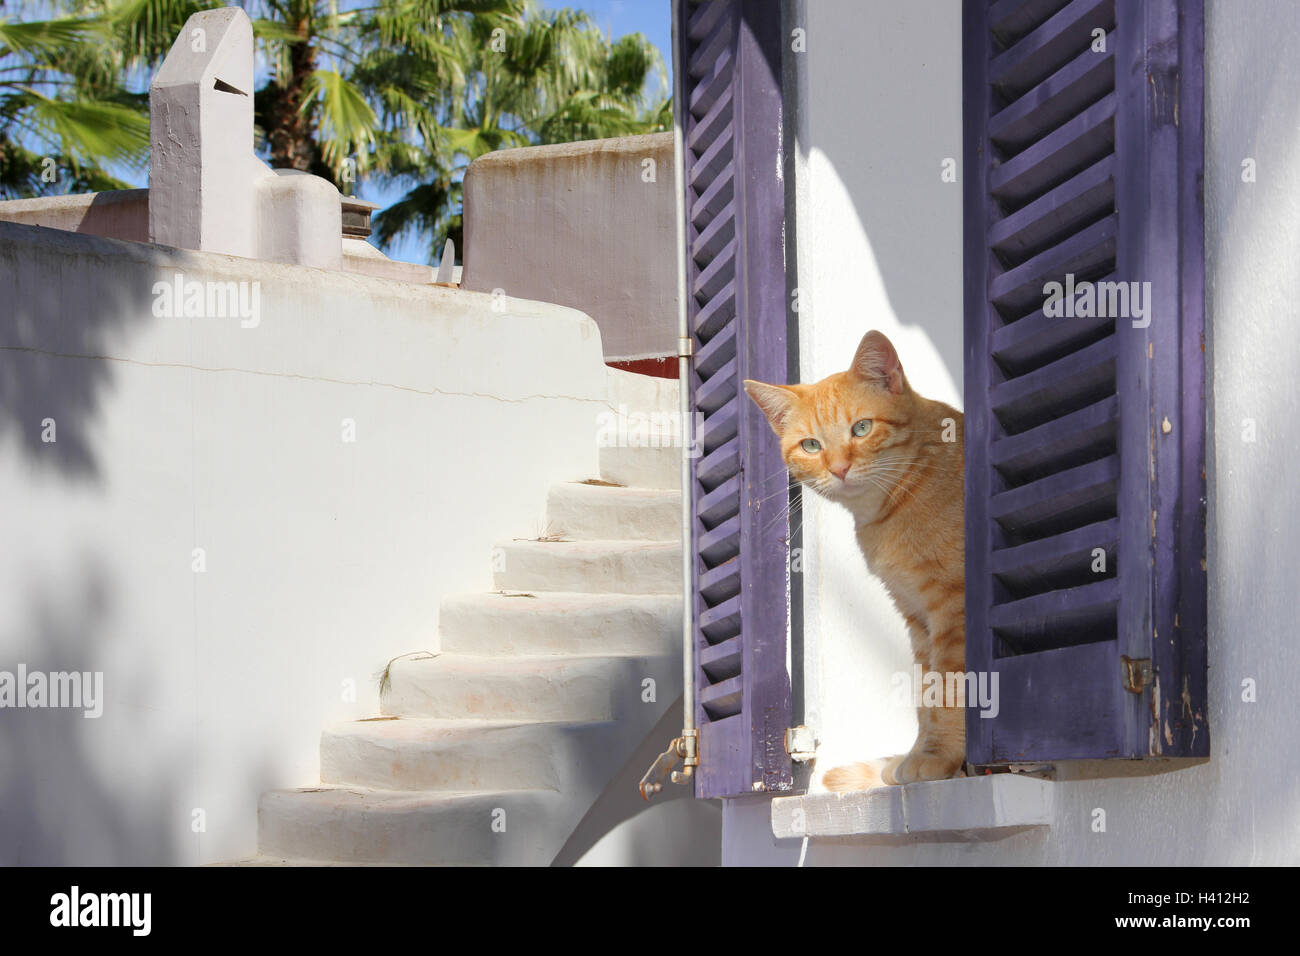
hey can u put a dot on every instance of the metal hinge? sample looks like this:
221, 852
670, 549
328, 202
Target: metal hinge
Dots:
1137, 673
683, 750
685, 347
800, 743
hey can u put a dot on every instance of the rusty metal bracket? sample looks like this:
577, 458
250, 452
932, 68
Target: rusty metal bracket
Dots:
681, 752
1137, 673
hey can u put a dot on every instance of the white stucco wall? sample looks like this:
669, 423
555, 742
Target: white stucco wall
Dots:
901, 247
324, 558
589, 225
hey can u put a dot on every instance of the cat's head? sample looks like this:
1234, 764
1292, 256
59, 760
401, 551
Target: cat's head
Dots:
845, 436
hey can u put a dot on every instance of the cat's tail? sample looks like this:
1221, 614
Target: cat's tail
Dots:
861, 776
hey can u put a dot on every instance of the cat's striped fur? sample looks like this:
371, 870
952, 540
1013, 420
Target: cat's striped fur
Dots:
902, 479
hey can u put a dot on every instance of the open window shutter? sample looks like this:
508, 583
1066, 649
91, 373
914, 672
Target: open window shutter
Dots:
729, 109
1085, 435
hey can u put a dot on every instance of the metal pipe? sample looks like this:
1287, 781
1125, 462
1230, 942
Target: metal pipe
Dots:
683, 379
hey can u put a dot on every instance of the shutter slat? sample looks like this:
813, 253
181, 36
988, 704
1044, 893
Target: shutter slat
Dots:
716, 467
1081, 615
721, 426
705, 19
719, 351
1086, 434
1029, 60
712, 50
717, 313
1070, 149
719, 389
721, 621
722, 661
1071, 382
1009, 20
1077, 496
1081, 82
1033, 341
724, 699
1085, 254
1059, 561
721, 583
713, 122
714, 198
716, 236
713, 160
720, 503
720, 271
721, 544
714, 84
1071, 206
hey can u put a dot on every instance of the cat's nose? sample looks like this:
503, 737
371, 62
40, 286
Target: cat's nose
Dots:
839, 471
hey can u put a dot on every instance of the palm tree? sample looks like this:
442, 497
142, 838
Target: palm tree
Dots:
311, 115
412, 90
59, 129
551, 77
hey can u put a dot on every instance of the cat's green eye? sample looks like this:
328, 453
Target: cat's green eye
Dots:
811, 445
862, 427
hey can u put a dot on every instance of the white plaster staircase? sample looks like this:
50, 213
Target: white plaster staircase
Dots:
491, 752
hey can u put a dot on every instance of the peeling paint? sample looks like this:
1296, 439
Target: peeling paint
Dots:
1153, 745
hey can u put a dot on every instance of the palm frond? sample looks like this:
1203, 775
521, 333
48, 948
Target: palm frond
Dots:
90, 131
347, 121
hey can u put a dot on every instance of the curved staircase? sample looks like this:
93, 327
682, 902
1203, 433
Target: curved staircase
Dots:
491, 751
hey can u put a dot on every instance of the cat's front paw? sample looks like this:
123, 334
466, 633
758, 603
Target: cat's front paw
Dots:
926, 766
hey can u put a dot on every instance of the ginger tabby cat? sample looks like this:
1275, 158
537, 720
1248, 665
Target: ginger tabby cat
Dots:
865, 440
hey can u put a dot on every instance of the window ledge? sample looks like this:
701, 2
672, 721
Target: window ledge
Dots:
962, 810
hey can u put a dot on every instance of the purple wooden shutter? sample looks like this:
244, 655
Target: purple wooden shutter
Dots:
730, 108
1085, 433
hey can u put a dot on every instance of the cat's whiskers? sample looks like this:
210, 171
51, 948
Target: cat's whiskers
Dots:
788, 512
783, 491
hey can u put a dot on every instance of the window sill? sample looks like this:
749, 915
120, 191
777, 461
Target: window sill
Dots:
963, 810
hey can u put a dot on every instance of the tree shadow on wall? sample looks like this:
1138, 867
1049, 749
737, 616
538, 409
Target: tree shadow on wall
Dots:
66, 304
68, 793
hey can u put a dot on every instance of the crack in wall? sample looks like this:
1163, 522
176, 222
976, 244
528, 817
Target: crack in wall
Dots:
306, 378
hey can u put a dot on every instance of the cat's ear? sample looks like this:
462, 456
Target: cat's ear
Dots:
775, 401
877, 362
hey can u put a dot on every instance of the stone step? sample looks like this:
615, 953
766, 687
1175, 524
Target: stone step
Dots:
642, 467
422, 753
601, 512
362, 825
544, 622
642, 394
576, 689
626, 567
